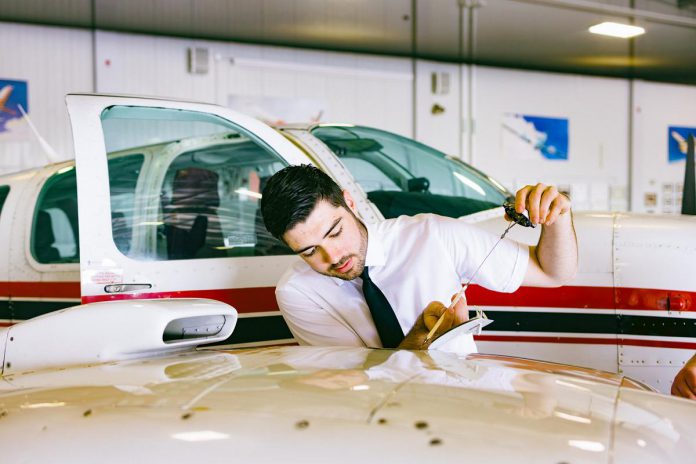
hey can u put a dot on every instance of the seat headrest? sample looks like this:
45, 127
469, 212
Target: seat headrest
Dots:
43, 230
195, 187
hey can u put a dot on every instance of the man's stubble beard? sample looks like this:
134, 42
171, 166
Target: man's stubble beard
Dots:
359, 259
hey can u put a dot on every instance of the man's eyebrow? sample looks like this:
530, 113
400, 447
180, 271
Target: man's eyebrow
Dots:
333, 226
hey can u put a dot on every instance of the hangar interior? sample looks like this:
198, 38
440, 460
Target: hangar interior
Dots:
456, 75
150, 308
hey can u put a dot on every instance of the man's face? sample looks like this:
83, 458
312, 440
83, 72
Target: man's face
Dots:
332, 240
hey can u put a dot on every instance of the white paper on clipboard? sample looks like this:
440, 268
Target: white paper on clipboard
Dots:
472, 326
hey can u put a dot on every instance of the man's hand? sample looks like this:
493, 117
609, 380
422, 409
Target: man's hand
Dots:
544, 203
426, 321
684, 384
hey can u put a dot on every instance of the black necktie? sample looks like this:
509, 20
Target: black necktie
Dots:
388, 327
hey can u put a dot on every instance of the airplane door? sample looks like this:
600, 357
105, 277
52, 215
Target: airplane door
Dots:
168, 194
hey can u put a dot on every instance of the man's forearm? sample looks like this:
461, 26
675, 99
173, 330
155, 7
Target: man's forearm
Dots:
557, 250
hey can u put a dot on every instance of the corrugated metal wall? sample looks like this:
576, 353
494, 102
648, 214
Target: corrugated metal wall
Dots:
54, 61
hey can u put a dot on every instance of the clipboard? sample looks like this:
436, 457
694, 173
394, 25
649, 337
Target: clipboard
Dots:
472, 326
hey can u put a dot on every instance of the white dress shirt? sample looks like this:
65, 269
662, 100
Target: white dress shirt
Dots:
414, 260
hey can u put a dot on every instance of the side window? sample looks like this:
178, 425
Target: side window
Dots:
186, 185
55, 234
4, 191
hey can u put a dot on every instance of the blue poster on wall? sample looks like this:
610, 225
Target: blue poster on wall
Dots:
677, 142
12, 95
527, 136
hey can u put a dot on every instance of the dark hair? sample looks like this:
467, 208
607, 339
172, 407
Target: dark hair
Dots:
291, 194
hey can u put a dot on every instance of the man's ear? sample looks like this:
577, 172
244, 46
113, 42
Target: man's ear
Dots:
349, 201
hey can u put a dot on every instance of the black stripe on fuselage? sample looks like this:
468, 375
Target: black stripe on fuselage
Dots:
5, 312
609, 324
522, 321
22, 310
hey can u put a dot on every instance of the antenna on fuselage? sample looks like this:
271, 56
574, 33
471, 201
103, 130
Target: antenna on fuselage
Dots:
689, 193
48, 149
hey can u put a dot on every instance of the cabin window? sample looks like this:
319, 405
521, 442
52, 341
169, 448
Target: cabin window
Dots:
4, 191
186, 185
55, 234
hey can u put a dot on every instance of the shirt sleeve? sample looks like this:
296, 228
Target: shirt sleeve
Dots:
468, 246
311, 324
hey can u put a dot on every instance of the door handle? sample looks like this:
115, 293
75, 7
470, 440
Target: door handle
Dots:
121, 288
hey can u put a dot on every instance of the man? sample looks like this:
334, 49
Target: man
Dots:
382, 285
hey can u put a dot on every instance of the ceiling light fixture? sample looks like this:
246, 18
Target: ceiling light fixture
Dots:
624, 31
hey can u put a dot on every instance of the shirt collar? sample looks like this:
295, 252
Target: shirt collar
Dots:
375, 248
374, 257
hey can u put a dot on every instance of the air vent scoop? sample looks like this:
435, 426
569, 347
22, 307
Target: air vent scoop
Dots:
114, 330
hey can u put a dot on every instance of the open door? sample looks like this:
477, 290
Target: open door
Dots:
168, 194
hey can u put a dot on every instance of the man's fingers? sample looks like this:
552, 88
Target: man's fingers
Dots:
461, 309
556, 210
547, 197
533, 201
544, 203
684, 392
432, 313
521, 198
680, 386
690, 380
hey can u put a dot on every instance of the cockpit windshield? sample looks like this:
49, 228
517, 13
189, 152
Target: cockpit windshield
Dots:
402, 176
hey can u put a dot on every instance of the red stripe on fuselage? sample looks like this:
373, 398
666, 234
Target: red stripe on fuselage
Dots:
583, 298
560, 297
40, 289
256, 299
245, 300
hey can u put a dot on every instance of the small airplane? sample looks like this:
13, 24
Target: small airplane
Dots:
131, 369
162, 201
5, 93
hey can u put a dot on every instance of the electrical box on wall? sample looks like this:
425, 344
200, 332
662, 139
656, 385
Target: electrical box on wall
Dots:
198, 60
440, 83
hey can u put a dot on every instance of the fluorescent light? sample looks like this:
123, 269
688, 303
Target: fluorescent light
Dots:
624, 31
